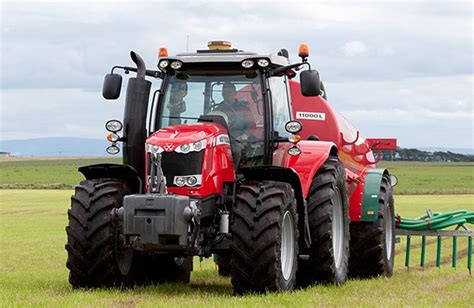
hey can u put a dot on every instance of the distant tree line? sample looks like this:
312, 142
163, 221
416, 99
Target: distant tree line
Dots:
418, 155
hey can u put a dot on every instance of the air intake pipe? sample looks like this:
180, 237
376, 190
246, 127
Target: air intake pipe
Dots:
136, 106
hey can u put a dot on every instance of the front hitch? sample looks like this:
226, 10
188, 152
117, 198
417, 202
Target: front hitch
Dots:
160, 222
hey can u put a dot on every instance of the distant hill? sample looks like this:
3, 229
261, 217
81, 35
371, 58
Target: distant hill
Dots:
61, 146
418, 155
465, 151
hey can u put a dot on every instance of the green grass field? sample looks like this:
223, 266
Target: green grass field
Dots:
33, 272
414, 177
45, 173
432, 178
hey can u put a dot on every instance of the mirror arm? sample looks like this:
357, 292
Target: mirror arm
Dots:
281, 70
280, 139
116, 67
127, 69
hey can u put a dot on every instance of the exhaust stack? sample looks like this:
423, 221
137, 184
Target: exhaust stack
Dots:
136, 105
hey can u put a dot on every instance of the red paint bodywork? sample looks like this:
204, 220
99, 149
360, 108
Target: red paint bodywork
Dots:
318, 119
383, 144
313, 155
217, 166
354, 151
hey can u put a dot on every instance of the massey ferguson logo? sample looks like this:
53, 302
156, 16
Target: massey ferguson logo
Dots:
318, 116
168, 147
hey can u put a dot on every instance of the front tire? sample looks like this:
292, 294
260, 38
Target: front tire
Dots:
264, 250
373, 243
328, 215
93, 254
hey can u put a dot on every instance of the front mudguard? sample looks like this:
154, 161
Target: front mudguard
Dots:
114, 171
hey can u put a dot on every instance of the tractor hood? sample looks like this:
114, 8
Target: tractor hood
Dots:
169, 138
198, 152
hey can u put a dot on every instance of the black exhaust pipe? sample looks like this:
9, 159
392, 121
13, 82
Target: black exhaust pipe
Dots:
141, 68
136, 105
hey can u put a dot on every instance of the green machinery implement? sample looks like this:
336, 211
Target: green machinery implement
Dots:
452, 224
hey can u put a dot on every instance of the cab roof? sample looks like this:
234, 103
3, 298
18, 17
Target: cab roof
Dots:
228, 55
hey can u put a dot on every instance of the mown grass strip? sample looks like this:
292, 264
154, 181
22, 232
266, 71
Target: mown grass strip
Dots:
33, 271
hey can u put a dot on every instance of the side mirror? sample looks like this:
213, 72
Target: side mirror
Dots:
310, 83
112, 86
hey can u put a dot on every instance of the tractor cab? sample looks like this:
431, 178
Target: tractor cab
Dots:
230, 87
229, 98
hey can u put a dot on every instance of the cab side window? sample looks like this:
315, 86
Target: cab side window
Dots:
280, 105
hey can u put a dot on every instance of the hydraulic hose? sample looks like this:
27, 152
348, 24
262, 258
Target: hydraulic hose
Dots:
438, 221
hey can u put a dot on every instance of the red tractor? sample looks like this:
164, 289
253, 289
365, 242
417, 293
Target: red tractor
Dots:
233, 158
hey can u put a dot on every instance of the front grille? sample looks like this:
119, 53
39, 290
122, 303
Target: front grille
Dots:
174, 164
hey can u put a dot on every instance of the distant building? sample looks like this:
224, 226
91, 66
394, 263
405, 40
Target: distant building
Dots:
5, 154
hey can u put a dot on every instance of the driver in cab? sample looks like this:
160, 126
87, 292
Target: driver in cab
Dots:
239, 119
239, 116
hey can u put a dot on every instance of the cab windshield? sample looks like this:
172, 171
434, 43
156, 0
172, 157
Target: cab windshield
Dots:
236, 95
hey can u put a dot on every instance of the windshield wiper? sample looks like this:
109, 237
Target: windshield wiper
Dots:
186, 118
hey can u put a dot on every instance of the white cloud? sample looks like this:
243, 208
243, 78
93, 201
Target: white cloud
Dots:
417, 111
377, 58
30, 113
354, 48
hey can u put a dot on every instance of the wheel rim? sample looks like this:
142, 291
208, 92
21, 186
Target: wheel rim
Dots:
388, 231
287, 254
337, 228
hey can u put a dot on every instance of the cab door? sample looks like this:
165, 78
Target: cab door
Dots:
281, 113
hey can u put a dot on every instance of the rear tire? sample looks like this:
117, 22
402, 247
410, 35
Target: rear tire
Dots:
93, 260
373, 243
264, 250
328, 215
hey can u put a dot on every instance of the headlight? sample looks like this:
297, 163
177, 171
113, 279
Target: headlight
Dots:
180, 181
113, 126
191, 147
247, 63
293, 127
191, 180
294, 151
187, 180
184, 148
198, 146
151, 148
113, 149
263, 62
176, 65
163, 64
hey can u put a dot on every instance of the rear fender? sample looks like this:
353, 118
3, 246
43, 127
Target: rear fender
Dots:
366, 209
114, 171
312, 157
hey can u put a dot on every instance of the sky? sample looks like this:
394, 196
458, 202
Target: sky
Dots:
401, 69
